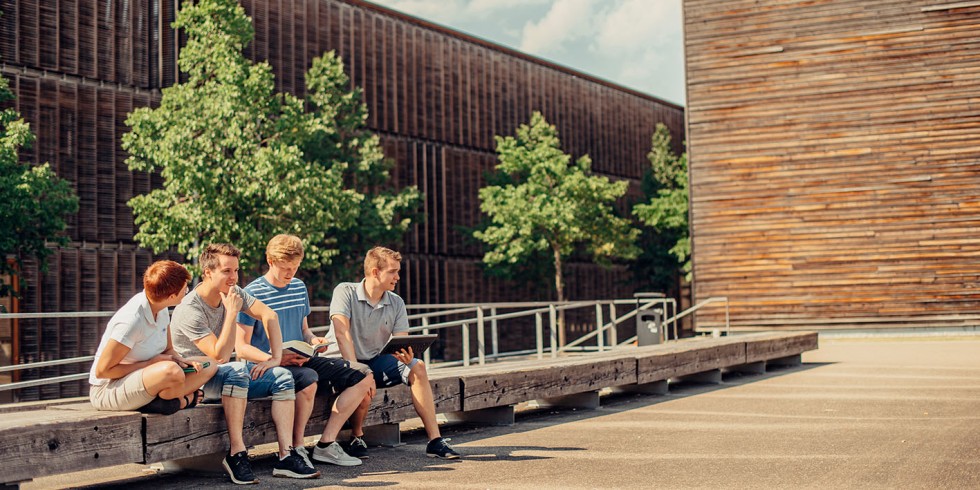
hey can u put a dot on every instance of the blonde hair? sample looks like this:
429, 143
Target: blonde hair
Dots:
378, 257
284, 248
209, 257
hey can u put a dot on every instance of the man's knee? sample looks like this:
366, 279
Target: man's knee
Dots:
417, 372
283, 387
308, 393
230, 380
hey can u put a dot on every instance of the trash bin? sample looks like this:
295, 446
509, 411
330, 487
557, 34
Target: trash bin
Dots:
648, 325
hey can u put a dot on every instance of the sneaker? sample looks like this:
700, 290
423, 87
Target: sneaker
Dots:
439, 448
239, 469
294, 466
357, 448
334, 454
304, 453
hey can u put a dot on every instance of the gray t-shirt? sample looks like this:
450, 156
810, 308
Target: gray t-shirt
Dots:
370, 325
193, 319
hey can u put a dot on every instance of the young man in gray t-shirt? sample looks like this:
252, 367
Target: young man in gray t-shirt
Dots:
364, 316
204, 323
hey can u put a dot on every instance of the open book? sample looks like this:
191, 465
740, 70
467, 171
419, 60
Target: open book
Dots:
304, 349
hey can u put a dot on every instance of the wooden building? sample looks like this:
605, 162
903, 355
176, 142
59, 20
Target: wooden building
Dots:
436, 97
834, 161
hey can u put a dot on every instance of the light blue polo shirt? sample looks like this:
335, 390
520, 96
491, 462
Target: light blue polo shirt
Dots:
371, 325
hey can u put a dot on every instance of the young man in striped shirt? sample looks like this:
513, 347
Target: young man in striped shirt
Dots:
286, 294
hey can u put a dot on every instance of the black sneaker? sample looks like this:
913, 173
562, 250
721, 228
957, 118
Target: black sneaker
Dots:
439, 448
357, 448
294, 466
239, 469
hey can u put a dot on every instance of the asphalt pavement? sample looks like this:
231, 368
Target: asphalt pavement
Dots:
859, 413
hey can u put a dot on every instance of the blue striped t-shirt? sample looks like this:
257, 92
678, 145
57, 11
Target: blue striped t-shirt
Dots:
291, 303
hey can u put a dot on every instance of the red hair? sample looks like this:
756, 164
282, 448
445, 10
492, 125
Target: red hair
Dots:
163, 279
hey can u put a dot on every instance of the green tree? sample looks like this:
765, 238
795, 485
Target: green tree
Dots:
550, 205
241, 163
666, 186
34, 202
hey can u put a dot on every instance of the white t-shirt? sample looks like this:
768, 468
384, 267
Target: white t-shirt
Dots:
134, 326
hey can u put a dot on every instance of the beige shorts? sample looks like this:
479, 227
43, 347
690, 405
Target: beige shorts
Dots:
125, 393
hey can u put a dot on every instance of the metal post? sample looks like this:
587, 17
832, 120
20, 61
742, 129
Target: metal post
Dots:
728, 325
480, 337
599, 334
425, 323
553, 320
493, 332
539, 334
466, 343
612, 324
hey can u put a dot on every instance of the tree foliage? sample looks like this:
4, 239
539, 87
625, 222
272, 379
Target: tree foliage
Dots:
34, 201
666, 187
550, 205
241, 163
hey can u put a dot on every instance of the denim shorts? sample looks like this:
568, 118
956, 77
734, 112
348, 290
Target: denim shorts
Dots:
231, 379
389, 371
276, 382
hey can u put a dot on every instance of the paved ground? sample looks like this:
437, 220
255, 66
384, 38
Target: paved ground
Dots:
860, 413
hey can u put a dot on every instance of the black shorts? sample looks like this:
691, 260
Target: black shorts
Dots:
335, 374
303, 377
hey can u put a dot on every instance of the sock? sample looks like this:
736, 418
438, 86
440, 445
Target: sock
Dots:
321, 444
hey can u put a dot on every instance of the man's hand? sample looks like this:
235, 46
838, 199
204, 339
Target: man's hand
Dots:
292, 359
319, 340
233, 302
162, 358
260, 368
404, 356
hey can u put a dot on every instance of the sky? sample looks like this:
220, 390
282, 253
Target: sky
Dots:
633, 43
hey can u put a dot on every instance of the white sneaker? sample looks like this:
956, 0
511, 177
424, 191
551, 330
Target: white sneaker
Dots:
334, 454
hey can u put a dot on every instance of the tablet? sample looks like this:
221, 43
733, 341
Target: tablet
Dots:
418, 343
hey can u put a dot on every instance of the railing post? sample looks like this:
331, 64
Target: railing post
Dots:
466, 343
480, 338
493, 332
539, 334
612, 324
600, 334
425, 323
728, 325
553, 320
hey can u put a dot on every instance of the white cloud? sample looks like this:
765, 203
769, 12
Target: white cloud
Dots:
637, 25
636, 43
567, 20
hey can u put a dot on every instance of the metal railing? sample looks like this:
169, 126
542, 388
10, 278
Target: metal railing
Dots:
432, 317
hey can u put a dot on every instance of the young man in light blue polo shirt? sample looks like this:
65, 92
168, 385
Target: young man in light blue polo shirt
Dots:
364, 316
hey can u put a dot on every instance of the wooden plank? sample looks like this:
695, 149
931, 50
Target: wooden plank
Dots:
46, 442
774, 346
395, 404
506, 386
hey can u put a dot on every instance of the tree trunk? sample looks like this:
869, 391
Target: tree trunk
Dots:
559, 287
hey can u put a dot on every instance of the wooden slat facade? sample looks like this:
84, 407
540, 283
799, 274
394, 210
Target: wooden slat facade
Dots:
834, 161
436, 97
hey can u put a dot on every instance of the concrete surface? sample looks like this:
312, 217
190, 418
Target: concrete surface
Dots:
859, 413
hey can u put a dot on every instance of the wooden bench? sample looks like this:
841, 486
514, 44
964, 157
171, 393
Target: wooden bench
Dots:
62, 438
